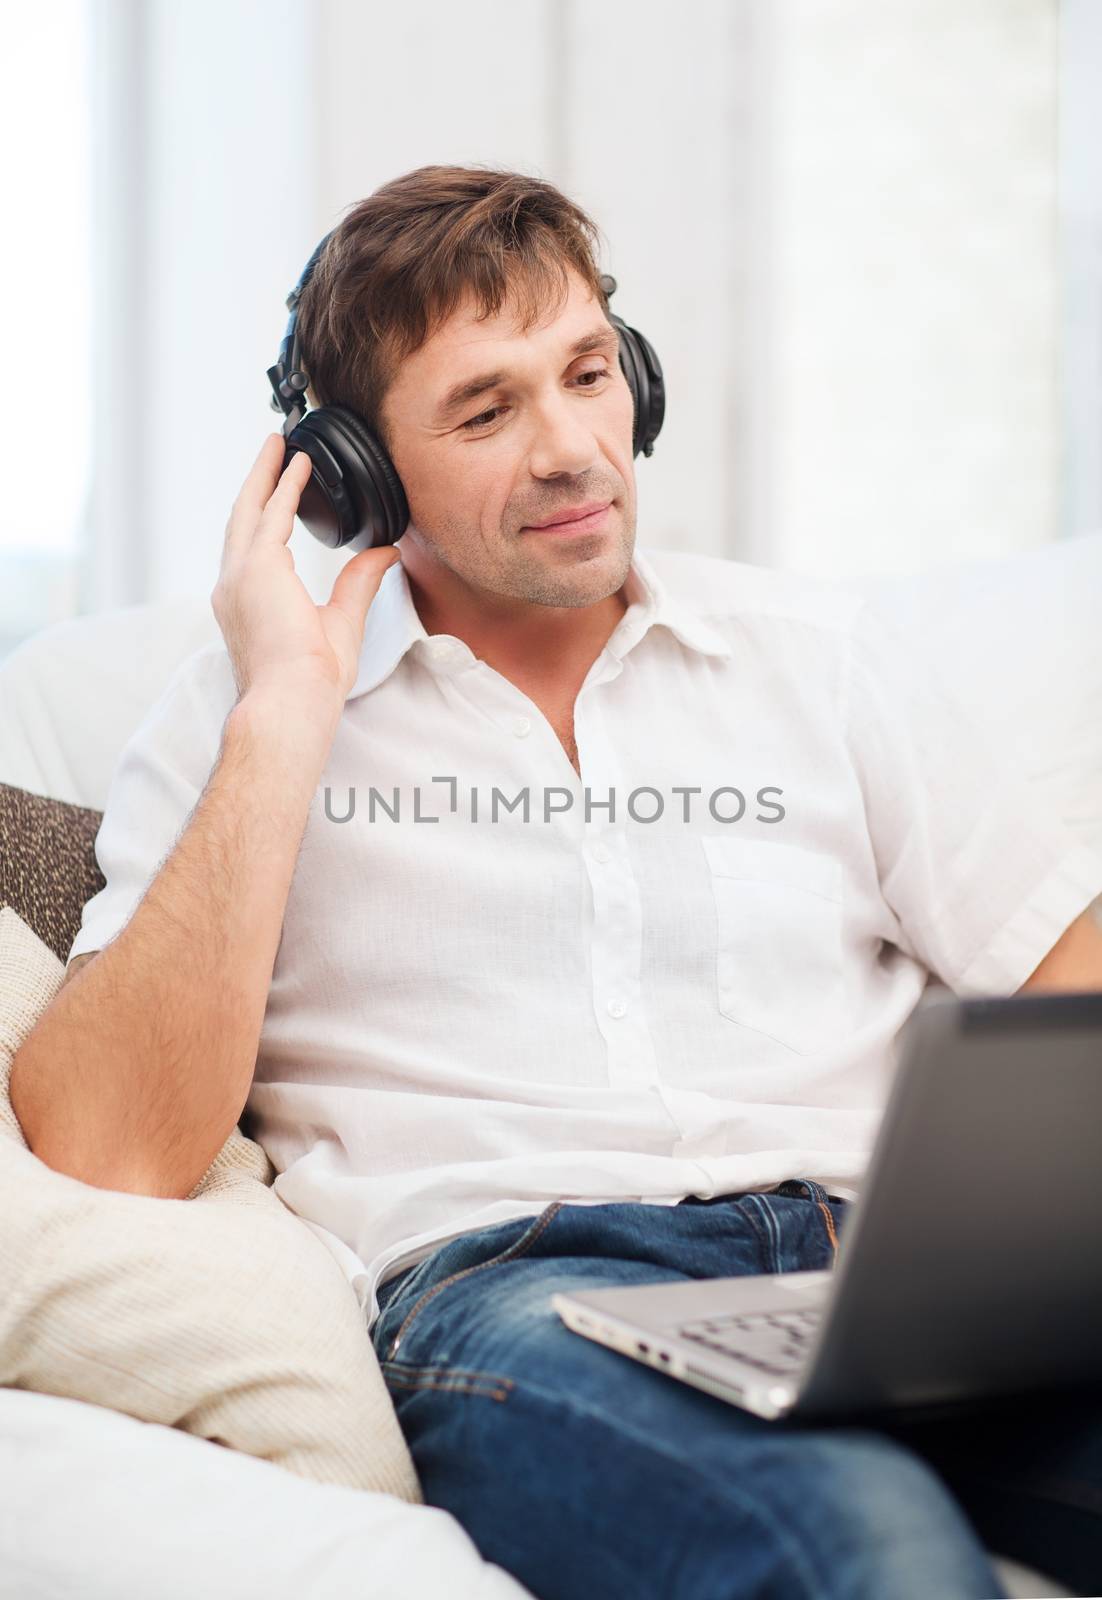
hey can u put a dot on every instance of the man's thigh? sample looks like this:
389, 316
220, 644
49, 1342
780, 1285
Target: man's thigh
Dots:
583, 1473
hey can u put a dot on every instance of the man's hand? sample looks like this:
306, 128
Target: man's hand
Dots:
276, 636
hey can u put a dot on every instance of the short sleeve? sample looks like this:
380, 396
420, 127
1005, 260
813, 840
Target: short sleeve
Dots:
162, 770
981, 876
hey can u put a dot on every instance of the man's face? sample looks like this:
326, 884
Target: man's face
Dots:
549, 432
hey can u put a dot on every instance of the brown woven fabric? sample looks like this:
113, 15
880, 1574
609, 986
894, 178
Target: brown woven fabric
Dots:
48, 867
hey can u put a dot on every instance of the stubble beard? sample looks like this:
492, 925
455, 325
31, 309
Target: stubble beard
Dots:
598, 567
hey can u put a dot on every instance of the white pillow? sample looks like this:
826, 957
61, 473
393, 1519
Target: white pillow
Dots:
71, 697
102, 1507
221, 1314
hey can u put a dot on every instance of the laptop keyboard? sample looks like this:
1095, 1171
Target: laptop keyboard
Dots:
775, 1341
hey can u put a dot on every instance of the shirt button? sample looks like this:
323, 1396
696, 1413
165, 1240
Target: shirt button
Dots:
600, 851
522, 726
617, 1008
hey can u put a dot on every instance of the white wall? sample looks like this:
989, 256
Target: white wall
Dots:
835, 219
912, 313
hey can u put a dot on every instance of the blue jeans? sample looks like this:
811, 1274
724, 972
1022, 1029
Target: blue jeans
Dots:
587, 1474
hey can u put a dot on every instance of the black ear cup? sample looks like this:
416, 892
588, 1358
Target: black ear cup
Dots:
643, 371
354, 495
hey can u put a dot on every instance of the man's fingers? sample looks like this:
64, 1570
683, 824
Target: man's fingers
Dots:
254, 494
358, 581
257, 488
279, 514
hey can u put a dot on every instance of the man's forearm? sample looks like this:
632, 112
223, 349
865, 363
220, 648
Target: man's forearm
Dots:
139, 1069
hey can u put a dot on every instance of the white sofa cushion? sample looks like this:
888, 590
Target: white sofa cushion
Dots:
71, 695
101, 1507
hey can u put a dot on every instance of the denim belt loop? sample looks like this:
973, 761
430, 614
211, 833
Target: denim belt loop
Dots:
814, 1191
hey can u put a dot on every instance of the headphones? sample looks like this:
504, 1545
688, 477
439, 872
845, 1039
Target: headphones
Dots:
355, 496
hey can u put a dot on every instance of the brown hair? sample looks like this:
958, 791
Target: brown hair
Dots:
400, 262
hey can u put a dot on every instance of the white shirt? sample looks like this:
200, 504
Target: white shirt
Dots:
471, 1017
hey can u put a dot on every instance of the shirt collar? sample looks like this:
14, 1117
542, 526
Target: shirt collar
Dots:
393, 625
650, 604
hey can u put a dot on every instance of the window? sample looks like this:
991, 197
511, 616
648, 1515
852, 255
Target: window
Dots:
1081, 251
45, 126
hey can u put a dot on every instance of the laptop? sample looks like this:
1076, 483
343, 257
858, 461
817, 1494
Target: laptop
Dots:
968, 1268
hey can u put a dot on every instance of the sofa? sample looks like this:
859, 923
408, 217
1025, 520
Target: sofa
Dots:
96, 1501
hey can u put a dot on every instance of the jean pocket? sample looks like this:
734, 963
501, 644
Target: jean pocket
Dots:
779, 964
517, 1248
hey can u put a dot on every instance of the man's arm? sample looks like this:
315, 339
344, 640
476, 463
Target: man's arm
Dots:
1075, 960
137, 1071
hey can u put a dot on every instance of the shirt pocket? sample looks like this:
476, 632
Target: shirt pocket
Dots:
779, 940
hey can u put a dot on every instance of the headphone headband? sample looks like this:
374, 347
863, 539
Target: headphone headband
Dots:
287, 378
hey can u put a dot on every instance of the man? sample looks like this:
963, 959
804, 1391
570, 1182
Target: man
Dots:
555, 924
